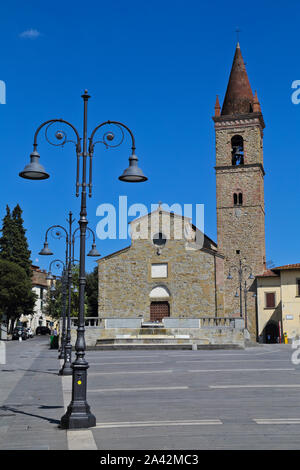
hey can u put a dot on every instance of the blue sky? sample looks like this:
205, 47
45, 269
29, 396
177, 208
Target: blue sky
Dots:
156, 66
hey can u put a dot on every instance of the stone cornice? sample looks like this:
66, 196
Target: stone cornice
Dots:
238, 168
241, 120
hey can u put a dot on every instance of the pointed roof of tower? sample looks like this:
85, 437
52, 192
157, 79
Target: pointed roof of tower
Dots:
239, 96
217, 107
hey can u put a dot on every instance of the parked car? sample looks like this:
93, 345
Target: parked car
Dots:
42, 330
18, 332
29, 332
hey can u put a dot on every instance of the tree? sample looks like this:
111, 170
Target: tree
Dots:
16, 296
21, 250
54, 300
92, 292
6, 241
14, 251
13, 243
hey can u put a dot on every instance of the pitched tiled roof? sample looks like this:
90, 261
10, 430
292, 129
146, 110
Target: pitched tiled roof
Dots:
268, 273
288, 266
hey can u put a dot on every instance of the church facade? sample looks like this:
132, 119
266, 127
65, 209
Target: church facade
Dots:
159, 275
164, 273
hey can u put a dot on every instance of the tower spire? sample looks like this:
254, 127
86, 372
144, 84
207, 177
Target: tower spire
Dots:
239, 96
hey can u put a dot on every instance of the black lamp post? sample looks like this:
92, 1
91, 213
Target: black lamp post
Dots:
78, 414
241, 270
63, 277
60, 231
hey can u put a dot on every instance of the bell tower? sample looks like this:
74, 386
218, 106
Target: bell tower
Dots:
240, 173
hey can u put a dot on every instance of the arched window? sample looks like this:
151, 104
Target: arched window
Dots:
238, 199
237, 150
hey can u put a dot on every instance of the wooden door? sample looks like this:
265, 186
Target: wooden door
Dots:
159, 310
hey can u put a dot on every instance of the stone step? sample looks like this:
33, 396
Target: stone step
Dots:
152, 346
144, 340
159, 346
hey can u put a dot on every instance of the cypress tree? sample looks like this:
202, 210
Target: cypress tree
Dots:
6, 240
14, 251
20, 244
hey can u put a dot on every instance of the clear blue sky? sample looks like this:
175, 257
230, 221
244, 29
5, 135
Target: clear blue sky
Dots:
156, 66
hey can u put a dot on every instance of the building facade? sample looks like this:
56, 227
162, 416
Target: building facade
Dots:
40, 286
278, 304
152, 281
164, 273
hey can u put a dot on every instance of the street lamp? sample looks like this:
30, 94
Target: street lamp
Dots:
50, 277
66, 233
78, 413
241, 270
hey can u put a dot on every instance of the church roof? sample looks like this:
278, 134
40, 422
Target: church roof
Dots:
239, 97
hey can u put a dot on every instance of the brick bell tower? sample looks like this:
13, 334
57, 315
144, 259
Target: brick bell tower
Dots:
240, 189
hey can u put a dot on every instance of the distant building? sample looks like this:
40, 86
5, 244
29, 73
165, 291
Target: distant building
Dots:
278, 303
40, 287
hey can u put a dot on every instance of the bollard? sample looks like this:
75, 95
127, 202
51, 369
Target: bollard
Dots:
2, 352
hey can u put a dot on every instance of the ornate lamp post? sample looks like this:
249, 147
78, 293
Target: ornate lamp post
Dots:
63, 277
241, 270
78, 414
59, 232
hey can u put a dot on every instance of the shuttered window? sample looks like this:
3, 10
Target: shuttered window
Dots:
270, 299
298, 286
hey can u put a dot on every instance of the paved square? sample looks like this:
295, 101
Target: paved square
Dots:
168, 400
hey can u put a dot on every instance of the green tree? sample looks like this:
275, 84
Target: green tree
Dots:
14, 249
54, 300
6, 240
13, 243
16, 296
21, 250
92, 293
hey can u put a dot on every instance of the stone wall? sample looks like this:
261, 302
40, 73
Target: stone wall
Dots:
194, 278
202, 336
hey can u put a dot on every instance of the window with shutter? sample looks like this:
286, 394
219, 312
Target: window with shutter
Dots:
270, 299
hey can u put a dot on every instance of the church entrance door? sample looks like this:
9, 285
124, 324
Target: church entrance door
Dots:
159, 310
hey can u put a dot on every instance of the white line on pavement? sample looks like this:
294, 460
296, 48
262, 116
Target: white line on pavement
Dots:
239, 370
141, 363
123, 356
135, 389
232, 360
133, 372
257, 386
200, 422
277, 420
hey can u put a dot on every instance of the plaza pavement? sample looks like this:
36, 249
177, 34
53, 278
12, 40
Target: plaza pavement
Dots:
163, 400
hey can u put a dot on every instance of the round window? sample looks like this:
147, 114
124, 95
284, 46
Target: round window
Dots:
159, 239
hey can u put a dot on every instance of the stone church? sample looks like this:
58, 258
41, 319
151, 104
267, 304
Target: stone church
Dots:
166, 272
